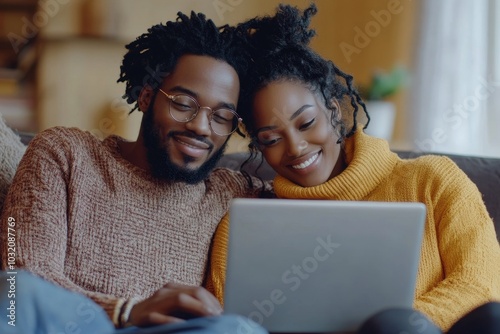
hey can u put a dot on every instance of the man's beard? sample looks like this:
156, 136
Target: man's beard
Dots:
160, 164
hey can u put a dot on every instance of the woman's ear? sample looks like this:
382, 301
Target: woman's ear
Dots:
145, 98
336, 109
338, 124
336, 112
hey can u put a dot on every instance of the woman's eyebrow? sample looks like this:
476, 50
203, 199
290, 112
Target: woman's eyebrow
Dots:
299, 111
294, 115
266, 128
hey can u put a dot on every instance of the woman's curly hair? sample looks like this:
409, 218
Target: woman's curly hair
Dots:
154, 54
280, 51
279, 46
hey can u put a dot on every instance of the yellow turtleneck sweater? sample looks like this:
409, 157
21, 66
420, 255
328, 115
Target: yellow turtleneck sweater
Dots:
460, 256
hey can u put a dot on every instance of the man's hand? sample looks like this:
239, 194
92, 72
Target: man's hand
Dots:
174, 303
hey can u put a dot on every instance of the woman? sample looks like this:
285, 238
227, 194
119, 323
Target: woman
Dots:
300, 111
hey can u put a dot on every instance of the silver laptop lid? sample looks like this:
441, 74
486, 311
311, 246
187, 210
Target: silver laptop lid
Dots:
319, 265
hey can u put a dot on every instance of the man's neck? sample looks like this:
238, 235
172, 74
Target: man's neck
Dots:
135, 153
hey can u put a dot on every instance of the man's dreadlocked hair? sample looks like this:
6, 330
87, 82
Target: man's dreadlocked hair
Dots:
154, 54
280, 50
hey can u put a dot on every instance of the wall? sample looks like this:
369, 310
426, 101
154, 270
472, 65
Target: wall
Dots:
82, 47
368, 36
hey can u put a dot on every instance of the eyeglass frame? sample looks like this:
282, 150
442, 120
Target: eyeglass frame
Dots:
171, 98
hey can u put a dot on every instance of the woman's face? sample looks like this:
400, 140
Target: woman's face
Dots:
295, 134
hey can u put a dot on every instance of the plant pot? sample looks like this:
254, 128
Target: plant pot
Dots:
382, 116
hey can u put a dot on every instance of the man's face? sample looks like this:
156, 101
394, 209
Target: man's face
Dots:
188, 151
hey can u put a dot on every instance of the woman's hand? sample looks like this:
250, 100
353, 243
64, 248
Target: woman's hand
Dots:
174, 303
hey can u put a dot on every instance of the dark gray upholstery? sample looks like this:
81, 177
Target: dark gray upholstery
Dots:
25, 137
484, 172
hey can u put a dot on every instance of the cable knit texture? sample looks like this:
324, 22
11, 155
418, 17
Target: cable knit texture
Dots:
11, 151
92, 222
460, 257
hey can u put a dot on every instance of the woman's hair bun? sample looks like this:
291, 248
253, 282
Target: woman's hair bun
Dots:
287, 29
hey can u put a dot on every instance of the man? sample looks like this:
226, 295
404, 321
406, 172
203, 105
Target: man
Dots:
129, 224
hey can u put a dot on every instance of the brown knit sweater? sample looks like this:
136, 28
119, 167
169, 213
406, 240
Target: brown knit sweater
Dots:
92, 222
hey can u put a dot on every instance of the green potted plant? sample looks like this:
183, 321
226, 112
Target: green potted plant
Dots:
382, 112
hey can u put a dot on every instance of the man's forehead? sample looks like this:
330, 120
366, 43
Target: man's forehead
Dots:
198, 64
204, 76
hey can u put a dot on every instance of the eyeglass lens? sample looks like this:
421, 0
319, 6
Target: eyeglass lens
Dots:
183, 108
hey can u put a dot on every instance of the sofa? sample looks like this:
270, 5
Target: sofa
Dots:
484, 172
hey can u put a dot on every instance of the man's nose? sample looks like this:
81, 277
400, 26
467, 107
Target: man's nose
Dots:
200, 124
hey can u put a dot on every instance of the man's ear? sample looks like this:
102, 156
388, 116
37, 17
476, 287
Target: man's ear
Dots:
145, 98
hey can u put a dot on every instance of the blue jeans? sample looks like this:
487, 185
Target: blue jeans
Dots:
30, 305
484, 319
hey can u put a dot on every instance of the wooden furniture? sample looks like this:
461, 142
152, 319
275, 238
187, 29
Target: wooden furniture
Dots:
20, 23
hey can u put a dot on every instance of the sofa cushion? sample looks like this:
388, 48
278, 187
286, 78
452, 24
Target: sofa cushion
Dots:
11, 152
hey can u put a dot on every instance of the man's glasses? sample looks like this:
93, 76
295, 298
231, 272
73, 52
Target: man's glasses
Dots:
183, 108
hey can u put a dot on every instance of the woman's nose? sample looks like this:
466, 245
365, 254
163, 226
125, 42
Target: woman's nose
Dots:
295, 146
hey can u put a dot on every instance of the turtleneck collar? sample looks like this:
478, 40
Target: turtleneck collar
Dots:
369, 160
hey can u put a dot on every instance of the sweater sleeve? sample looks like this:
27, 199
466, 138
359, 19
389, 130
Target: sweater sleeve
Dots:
217, 269
37, 203
469, 252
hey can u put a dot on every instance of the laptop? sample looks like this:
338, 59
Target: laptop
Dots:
320, 266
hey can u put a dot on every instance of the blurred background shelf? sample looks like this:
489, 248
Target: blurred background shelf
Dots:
18, 63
